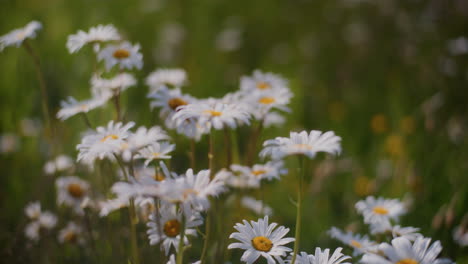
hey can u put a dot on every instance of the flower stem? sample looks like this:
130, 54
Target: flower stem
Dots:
192, 154
42, 84
117, 105
180, 253
228, 144
86, 120
132, 218
301, 171
210, 213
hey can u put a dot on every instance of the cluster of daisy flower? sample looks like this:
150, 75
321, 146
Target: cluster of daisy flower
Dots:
174, 206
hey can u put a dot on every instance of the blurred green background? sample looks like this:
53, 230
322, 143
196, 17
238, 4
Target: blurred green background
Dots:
381, 74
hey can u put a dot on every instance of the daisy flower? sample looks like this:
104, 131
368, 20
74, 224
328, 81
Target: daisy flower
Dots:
360, 244
72, 191
270, 170
31, 231
273, 119
104, 142
167, 230
155, 151
72, 107
323, 257
302, 144
256, 206
107, 88
238, 180
410, 233
217, 115
33, 210
402, 251
166, 77
261, 239
262, 103
72, 233
100, 33
260, 81
380, 209
168, 100
17, 36
126, 55
141, 138
59, 164
460, 235
192, 190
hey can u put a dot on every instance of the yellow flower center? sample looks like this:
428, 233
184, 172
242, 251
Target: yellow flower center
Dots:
83, 107
188, 192
121, 54
258, 172
159, 177
70, 237
303, 146
112, 136
266, 100
172, 228
355, 244
75, 190
156, 155
407, 261
380, 210
176, 102
212, 112
263, 85
262, 243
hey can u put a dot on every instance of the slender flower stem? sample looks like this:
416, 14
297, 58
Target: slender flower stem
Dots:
252, 148
210, 213
180, 251
117, 106
192, 154
228, 144
132, 217
42, 84
301, 172
86, 120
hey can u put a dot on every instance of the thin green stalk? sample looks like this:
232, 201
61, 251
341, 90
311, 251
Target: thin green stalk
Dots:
180, 251
132, 218
192, 154
117, 106
301, 172
42, 84
228, 144
210, 213
86, 120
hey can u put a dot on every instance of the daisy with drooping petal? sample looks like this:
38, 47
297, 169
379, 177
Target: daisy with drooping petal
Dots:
410, 233
72, 233
380, 209
217, 115
256, 206
126, 55
261, 81
155, 151
104, 142
72, 107
17, 36
192, 190
360, 244
99, 33
107, 88
262, 103
302, 144
323, 257
72, 191
168, 100
168, 229
141, 138
166, 77
261, 239
270, 170
59, 164
402, 251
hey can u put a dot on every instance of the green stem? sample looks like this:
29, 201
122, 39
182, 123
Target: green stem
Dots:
228, 144
180, 253
42, 84
86, 120
132, 217
210, 214
301, 171
117, 105
192, 154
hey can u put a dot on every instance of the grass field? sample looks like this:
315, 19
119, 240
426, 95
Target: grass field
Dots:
389, 77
